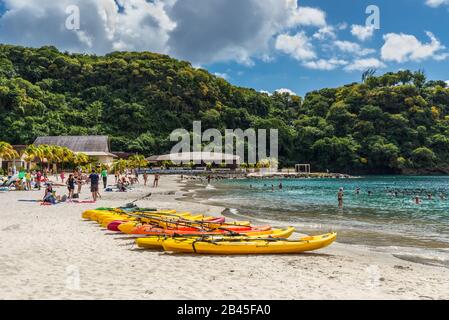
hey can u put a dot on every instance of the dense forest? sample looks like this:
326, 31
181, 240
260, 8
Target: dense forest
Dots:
397, 122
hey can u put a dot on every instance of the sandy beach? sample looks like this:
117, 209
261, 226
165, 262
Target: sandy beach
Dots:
49, 252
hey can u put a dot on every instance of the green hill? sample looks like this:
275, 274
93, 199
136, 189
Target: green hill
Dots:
387, 124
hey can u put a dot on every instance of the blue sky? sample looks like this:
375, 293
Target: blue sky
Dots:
266, 45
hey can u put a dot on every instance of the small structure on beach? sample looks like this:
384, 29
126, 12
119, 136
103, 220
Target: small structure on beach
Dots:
96, 147
303, 168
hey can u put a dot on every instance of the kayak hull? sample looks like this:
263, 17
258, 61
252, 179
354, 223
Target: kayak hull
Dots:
248, 247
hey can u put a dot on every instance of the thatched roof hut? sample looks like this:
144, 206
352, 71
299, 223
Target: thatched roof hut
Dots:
89, 145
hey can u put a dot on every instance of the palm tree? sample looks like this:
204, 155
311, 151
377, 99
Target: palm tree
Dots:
47, 154
137, 161
67, 156
80, 159
32, 152
7, 152
120, 165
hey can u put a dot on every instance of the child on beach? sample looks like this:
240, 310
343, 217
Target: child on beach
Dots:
145, 179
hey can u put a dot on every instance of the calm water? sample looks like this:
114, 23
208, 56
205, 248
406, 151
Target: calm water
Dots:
380, 220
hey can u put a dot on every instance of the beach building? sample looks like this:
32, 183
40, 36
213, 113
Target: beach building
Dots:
201, 159
12, 165
96, 147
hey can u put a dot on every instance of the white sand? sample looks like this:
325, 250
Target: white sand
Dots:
50, 253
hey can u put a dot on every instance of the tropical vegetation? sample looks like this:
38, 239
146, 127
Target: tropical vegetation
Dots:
396, 122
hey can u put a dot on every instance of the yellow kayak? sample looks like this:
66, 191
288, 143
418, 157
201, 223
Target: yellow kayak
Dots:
157, 242
104, 220
250, 246
96, 214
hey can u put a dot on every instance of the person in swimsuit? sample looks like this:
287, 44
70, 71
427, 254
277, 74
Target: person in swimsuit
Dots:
71, 186
156, 181
340, 196
145, 179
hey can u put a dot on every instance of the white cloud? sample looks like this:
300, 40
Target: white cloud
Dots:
306, 16
222, 30
285, 90
201, 31
327, 32
436, 3
342, 26
364, 64
323, 64
137, 25
447, 82
403, 47
266, 92
362, 32
298, 46
353, 48
222, 75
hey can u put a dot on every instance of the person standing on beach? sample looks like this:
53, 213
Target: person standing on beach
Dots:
340, 196
62, 177
79, 181
156, 181
71, 186
145, 178
104, 175
94, 179
28, 180
208, 179
136, 174
38, 179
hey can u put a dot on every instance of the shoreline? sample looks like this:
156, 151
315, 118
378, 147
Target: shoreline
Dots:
50, 253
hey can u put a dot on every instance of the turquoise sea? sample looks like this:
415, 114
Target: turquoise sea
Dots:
383, 219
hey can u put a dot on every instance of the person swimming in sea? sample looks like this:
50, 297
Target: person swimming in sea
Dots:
280, 186
417, 200
370, 193
357, 191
